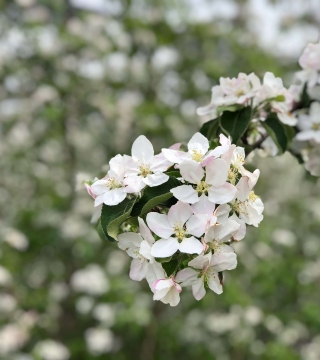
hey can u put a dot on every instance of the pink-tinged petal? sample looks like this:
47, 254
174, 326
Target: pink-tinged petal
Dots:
154, 272
217, 172
185, 193
198, 143
161, 284
190, 246
164, 248
88, 187
114, 197
197, 224
175, 156
179, 214
201, 262
227, 156
134, 184
218, 151
221, 261
175, 146
160, 294
192, 171
203, 206
222, 194
145, 231
187, 277
142, 150
253, 177
177, 286
138, 269
224, 141
215, 284
172, 297
159, 224
160, 163
243, 188
198, 289
156, 179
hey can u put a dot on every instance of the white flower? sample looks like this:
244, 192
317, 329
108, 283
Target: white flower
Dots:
215, 185
310, 58
145, 168
207, 272
167, 291
51, 350
217, 234
99, 341
111, 190
247, 205
273, 89
181, 223
91, 280
231, 91
312, 160
139, 248
310, 124
198, 151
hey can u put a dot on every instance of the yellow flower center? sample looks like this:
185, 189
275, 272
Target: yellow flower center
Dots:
196, 155
232, 175
113, 184
179, 232
202, 187
316, 126
253, 196
145, 170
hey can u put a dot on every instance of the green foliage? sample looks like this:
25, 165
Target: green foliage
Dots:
277, 132
236, 123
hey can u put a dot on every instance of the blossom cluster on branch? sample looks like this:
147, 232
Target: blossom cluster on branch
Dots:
180, 211
177, 213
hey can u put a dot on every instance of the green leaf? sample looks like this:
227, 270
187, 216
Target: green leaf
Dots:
174, 173
280, 98
153, 196
209, 129
277, 132
113, 216
236, 123
164, 260
170, 267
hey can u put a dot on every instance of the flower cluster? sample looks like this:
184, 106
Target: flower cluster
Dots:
247, 90
308, 113
183, 240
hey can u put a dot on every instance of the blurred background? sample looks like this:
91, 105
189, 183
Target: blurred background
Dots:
80, 80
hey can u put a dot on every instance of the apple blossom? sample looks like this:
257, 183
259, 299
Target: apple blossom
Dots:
167, 291
181, 223
309, 125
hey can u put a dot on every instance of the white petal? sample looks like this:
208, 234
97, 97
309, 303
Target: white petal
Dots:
197, 224
160, 294
217, 172
243, 188
134, 184
154, 272
142, 150
156, 179
198, 289
179, 214
222, 194
98, 200
241, 232
129, 241
164, 247
288, 119
190, 246
159, 224
214, 284
201, 261
160, 163
138, 269
114, 197
212, 233
175, 156
203, 206
222, 213
145, 231
162, 284
145, 250
192, 172
100, 186
187, 277
185, 193
198, 143
223, 261
226, 229
172, 297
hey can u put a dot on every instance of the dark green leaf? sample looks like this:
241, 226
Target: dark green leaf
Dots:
231, 108
170, 267
164, 260
236, 123
209, 129
113, 216
277, 132
153, 196
174, 173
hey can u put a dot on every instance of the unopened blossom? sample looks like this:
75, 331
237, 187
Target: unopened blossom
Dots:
212, 182
247, 205
167, 291
280, 99
309, 125
145, 168
111, 190
231, 91
205, 269
198, 151
177, 231
139, 248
